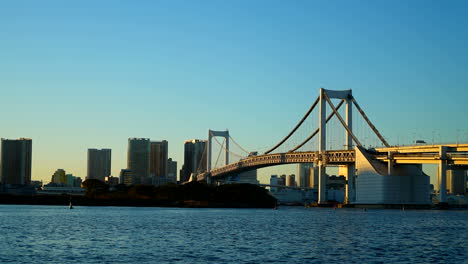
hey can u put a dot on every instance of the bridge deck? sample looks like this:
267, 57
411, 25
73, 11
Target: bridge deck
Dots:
457, 155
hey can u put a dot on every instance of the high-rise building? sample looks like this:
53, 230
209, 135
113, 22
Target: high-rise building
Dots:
158, 162
195, 160
303, 173
456, 182
59, 177
77, 182
282, 180
171, 170
274, 182
313, 177
99, 163
16, 161
291, 180
138, 160
126, 177
70, 179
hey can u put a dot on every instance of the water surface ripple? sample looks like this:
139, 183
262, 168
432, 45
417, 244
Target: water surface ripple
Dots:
55, 234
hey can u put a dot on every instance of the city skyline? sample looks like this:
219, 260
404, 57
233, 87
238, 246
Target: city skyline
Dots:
88, 75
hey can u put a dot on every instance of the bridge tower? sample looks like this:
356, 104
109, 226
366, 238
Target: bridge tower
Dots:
211, 134
325, 95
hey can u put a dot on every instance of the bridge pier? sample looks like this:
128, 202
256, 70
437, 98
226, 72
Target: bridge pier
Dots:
211, 134
349, 173
442, 175
322, 183
322, 177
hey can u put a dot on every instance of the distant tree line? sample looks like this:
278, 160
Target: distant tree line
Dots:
191, 194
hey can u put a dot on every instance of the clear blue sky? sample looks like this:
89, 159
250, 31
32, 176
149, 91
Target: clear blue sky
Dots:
91, 74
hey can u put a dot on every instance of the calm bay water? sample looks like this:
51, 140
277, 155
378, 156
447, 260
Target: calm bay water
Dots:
55, 234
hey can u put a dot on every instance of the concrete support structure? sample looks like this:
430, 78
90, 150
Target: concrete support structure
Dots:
322, 177
391, 163
211, 134
343, 95
350, 195
443, 174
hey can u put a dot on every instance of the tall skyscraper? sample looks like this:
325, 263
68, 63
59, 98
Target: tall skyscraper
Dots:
16, 161
158, 162
194, 158
99, 163
171, 170
138, 160
303, 173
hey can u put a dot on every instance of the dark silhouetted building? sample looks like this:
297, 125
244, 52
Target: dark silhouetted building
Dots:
171, 170
195, 160
16, 161
111, 180
59, 177
158, 162
138, 160
126, 177
99, 164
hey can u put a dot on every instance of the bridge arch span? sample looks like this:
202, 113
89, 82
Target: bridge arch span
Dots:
341, 157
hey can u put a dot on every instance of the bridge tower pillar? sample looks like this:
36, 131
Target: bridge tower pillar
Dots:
350, 195
322, 176
350, 169
211, 134
443, 174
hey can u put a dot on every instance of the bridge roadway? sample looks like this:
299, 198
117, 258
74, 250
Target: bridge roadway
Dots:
339, 157
453, 154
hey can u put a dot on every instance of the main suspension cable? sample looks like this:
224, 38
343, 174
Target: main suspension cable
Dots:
370, 123
341, 120
230, 152
295, 128
219, 154
316, 131
239, 146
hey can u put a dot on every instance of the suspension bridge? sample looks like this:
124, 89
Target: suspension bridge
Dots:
382, 174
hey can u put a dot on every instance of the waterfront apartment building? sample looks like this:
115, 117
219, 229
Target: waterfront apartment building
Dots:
138, 160
15, 162
195, 160
99, 164
158, 162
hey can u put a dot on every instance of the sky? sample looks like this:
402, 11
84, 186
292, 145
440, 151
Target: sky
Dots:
91, 74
